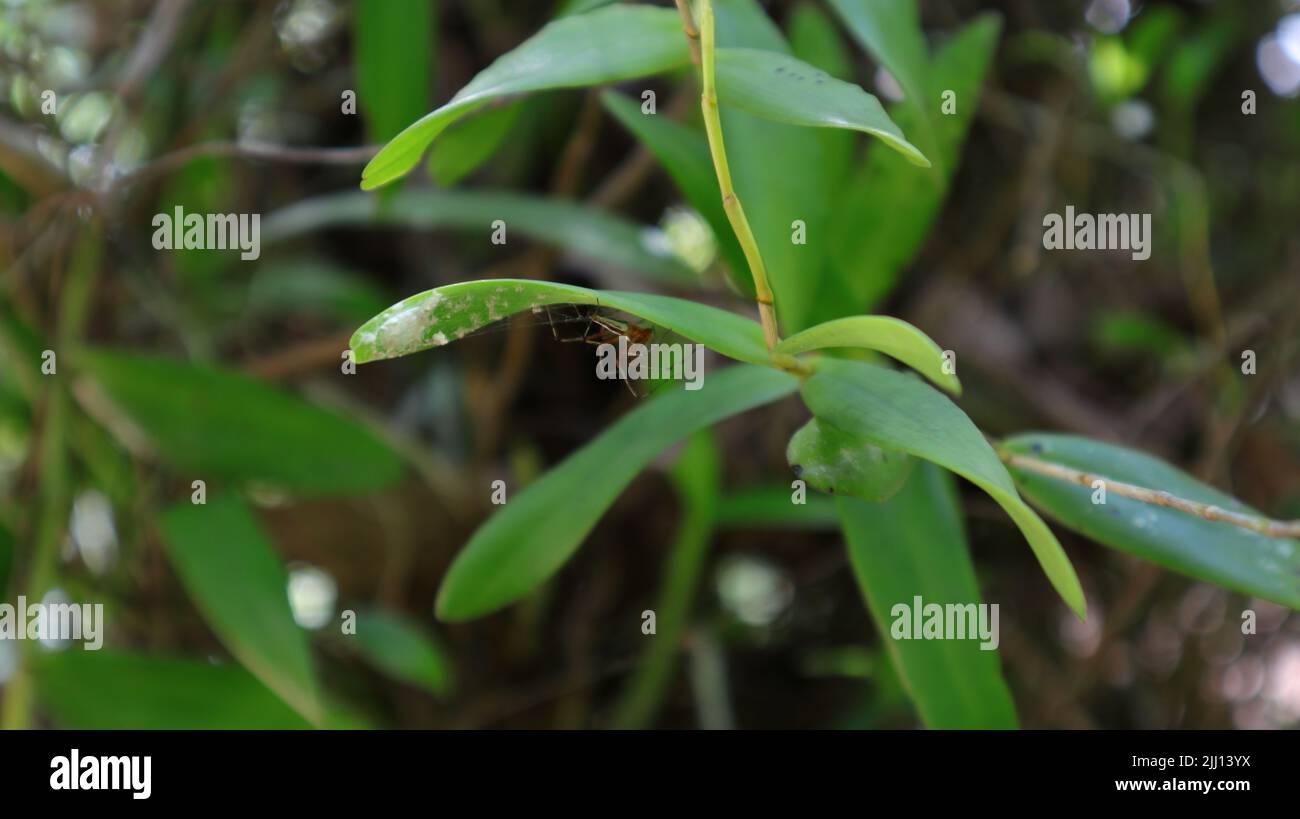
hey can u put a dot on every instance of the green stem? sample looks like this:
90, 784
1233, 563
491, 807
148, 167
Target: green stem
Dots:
646, 690
697, 480
717, 148
54, 488
19, 698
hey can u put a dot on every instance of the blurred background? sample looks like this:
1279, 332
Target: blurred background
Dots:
164, 358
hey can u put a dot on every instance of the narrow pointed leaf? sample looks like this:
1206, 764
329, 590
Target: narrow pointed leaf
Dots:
541, 527
218, 424
591, 234
1217, 552
784, 89
893, 337
890, 31
314, 287
888, 209
230, 570
112, 691
469, 144
894, 410
815, 40
402, 650
764, 507
913, 546
605, 45
394, 62
436, 317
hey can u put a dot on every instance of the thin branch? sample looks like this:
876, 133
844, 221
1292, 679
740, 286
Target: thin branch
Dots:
1156, 497
688, 27
620, 184
153, 46
303, 357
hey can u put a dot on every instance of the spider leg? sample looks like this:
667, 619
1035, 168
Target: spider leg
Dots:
586, 330
551, 321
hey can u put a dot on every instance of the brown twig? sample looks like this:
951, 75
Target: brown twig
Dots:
305, 356
688, 27
620, 184
1156, 497
152, 47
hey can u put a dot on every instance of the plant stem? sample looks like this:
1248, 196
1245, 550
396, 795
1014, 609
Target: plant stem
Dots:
697, 479
19, 701
654, 675
688, 27
1157, 497
730, 201
54, 490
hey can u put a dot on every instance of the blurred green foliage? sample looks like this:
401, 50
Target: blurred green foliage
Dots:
172, 367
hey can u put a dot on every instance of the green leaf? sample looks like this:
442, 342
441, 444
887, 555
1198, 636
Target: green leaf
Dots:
435, 317
774, 198
580, 6
1131, 331
230, 570
468, 144
890, 409
394, 63
744, 24
218, 424
831, 460
685, 155
110, 691
893, 337
1198, 56
402, 650
586, 232
773, 507
913, 545
814, 39
605, 45
890, 31
1217, 552
888, 210
540, 528
314, 287
960, 66
783, 89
